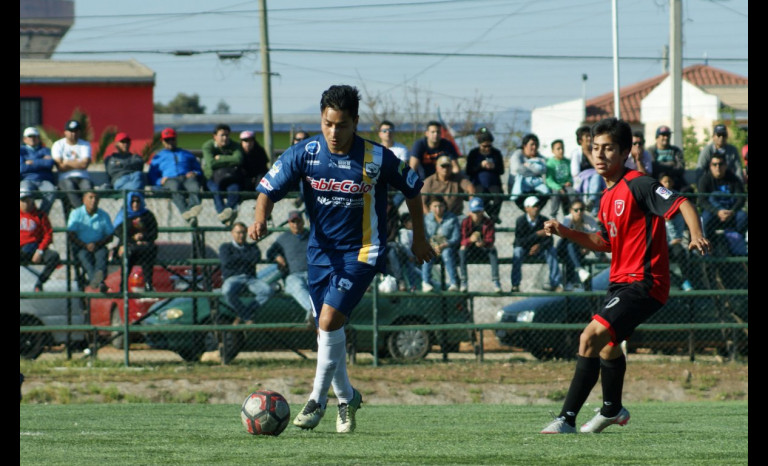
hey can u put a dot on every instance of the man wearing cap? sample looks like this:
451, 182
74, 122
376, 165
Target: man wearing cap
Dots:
668, 159
478, 234
289, 252
36, 168
125, 169
35, 237
222, 161
72, 156
720, 145
177, 170
255, 160
532, 240
454, 187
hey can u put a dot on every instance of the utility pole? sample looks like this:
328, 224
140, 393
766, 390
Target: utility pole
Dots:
266, 76
676, 71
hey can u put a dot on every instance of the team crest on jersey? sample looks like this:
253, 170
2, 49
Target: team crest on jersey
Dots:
275, 168
618, 206
372, 170
413, 177
345, 284
264, 182
312, 148
663, 192
322, 200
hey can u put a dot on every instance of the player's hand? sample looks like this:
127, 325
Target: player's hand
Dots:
551, 226
257, 230
700, 244
422, 251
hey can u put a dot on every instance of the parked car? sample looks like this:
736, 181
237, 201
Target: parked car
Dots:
282, 309
172, 275
679, 309
48, 311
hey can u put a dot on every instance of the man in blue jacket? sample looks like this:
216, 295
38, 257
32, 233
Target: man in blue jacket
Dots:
36, 168
177, 170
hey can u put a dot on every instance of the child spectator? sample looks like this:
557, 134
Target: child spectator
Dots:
559, 179
478, 235
443, 232
139, 244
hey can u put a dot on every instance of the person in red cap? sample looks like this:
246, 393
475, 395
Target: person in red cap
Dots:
125, 170
177, 170
255, 160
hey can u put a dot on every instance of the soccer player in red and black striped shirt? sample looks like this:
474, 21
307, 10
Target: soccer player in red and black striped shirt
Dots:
633, 208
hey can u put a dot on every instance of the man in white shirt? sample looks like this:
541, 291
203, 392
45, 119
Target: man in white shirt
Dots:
72, 156
387, 138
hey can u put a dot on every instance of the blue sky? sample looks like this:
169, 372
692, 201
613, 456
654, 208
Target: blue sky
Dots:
505, 53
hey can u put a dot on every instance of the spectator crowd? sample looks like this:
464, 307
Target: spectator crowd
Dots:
465, 207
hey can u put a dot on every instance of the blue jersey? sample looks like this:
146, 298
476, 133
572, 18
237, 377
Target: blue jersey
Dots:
345, 196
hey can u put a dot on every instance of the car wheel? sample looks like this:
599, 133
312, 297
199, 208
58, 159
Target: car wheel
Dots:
542, 354
31, 344
117, 339
408, 345
190, 354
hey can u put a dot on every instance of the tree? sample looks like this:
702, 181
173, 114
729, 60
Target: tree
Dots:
222, 108
181, 104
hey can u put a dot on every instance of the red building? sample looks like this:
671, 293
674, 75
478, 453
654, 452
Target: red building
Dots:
115, 95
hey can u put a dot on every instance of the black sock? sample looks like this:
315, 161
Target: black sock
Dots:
612, 378
584, 379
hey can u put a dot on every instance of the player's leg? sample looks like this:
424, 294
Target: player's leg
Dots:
630, 306
594, 337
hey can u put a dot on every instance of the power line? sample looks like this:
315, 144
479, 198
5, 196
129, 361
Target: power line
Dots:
190, 52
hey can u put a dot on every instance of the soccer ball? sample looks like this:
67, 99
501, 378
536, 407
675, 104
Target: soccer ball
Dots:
265, 412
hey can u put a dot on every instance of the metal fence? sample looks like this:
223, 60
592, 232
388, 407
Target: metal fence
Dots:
185, 314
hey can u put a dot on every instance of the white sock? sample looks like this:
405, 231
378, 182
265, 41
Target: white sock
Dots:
331, 351
341, 385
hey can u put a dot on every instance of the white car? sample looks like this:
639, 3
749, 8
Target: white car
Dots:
49, 311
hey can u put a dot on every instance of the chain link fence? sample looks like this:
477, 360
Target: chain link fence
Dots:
183, 311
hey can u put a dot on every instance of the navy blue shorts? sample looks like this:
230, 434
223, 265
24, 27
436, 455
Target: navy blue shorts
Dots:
340, 285
626, 306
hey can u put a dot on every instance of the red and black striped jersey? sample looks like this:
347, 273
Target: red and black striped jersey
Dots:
632, 214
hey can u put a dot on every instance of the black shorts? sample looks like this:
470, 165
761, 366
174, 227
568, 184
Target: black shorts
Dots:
626, 306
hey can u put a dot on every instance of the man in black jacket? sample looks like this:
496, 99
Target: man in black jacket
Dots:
238, 270
530, 240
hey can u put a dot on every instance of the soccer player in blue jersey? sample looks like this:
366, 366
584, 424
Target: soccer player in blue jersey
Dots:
345, 180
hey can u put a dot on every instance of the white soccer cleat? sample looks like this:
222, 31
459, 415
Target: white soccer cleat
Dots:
600, 422
310, 415
345, 421
559, 426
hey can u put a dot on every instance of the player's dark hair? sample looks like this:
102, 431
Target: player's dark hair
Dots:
581, 131
221, 126
530, 137
387, 123
343, 98
639, 134
557, 141
619, 131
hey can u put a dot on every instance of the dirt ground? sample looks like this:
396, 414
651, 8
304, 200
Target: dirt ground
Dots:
503, 377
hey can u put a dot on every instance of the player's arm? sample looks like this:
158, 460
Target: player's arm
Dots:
591, 241
264, 206
691, 217
421, 249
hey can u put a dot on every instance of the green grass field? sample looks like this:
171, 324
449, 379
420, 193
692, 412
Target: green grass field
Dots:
110, 434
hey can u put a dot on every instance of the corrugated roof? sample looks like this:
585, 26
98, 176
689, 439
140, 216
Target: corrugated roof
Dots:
703, 76
59, 71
